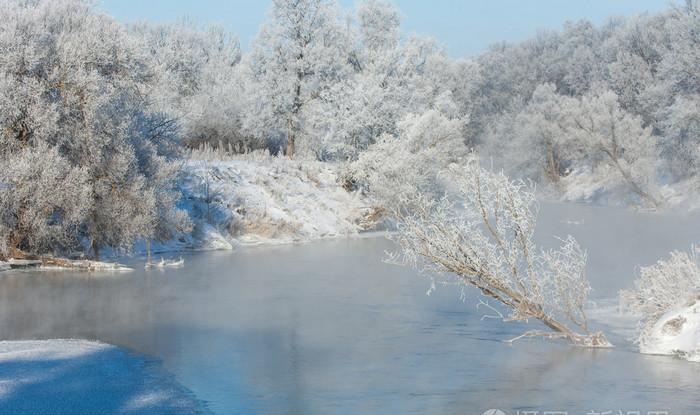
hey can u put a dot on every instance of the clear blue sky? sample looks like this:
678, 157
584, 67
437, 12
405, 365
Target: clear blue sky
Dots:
465, 27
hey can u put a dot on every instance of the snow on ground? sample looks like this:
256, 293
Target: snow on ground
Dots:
267, 200
583, 187
84, 377
50, 263
257, 199
677, 332
84, 264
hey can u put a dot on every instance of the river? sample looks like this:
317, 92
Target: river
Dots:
329, 328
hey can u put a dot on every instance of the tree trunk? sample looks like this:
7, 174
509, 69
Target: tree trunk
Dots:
632, 183
95, 249
290, 147
552, 163
289, 150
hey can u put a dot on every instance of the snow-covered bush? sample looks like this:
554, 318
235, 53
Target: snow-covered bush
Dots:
410, 161
257, 198
667, 296
41, 200
73, 101
482, 236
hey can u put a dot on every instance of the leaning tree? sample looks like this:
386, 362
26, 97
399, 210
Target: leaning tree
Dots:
482, 236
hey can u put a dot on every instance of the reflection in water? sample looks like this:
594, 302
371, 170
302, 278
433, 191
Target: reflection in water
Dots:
328, 328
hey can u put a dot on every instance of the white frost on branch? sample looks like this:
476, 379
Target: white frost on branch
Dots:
483, 237
411, 160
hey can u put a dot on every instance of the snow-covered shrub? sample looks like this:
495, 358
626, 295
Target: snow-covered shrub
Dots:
73, 100
256, 198
41, 200
482, 236
667, 296
410, 161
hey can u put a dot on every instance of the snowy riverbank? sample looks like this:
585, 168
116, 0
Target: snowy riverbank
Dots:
83, 377
48, 263
252, 200
266, 200
676, 333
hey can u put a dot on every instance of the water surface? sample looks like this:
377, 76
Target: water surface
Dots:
328, 328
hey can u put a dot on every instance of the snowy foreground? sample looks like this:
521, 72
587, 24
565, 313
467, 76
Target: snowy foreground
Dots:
676, 333
83, 377
268, 200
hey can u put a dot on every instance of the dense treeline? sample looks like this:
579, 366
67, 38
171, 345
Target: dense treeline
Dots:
606, 113
597, 108
86, 159
95, 114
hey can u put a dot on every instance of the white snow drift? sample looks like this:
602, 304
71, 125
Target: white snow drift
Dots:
268, 200
677, 332
667, 296
84, 377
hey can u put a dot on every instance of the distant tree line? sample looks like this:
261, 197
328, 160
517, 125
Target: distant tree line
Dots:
94, 114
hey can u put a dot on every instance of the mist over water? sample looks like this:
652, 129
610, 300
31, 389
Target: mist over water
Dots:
327, 327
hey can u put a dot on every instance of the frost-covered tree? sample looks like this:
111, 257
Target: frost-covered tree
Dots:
379, 23
198, 82
73, 88
611, 144
299, 53
680, 63
633, 54
530, 144
391, 78
590, 140
647, 61
481, 235
680, 143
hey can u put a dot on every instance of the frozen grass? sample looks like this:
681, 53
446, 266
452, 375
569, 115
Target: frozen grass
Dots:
83, 377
